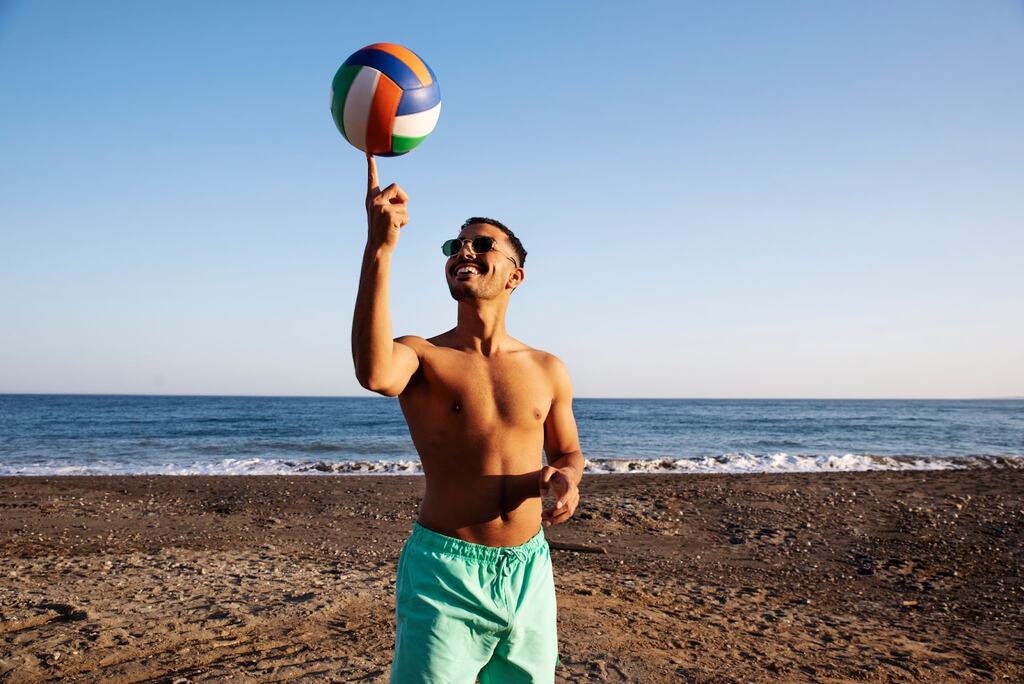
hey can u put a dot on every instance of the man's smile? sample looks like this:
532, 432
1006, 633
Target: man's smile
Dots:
466, 270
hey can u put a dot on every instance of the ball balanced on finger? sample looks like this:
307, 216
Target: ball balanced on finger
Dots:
385, 100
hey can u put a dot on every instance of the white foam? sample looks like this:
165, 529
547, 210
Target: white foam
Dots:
798, 463
227, 466
725, 463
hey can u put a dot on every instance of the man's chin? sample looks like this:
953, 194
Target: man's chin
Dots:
460, 293
464, 294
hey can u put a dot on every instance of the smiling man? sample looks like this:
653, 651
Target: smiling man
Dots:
475, 594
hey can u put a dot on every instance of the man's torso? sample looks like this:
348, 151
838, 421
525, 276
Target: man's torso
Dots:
478, 425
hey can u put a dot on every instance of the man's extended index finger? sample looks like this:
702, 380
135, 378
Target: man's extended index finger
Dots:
372, 184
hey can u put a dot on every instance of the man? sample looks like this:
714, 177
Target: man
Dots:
474, 593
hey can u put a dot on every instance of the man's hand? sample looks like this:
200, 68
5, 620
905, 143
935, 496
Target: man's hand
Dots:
387, 210
561, 484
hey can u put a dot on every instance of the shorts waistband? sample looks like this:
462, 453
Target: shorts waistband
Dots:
435, 541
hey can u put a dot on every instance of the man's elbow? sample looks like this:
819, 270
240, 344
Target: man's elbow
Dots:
387, 391
367, 378
375, 384
367, 381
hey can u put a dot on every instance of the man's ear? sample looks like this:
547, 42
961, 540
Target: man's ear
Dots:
513, 281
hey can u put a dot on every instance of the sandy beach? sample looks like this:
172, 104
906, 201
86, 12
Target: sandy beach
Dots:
880, 577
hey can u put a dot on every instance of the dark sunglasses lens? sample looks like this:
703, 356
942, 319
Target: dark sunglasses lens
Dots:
480, 244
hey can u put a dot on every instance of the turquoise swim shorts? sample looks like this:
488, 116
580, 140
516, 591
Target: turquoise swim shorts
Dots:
465, 610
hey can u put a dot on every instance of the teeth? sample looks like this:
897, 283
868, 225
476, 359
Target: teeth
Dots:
467, 269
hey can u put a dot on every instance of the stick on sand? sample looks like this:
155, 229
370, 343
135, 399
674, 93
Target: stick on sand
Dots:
582, 548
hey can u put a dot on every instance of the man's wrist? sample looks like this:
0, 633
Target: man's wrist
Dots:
379, 252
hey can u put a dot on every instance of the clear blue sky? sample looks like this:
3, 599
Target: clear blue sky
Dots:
742, 199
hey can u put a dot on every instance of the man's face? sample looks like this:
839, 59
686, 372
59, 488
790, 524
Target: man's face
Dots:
493, 267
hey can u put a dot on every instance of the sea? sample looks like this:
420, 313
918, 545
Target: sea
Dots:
184, 435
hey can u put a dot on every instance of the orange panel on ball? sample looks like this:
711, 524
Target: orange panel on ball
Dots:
407, 57
382, 115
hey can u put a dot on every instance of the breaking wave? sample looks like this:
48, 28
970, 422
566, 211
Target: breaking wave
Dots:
725, 463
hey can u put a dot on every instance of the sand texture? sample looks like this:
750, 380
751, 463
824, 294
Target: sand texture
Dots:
840, 577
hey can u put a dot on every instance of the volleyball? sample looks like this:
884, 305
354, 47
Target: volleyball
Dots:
385, 99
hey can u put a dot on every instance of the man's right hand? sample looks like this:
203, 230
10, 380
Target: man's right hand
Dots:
387, 210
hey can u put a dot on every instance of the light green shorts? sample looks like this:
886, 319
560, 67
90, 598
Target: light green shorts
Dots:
466, 610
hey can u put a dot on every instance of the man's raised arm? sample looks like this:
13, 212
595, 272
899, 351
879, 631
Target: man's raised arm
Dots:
382, 364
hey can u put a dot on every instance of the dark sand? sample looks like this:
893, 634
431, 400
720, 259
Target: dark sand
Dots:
840, 577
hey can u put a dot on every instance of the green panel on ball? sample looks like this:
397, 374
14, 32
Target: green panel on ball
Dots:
341, 85
401, 144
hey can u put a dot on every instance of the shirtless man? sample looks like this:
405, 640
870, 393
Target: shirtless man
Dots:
474, 592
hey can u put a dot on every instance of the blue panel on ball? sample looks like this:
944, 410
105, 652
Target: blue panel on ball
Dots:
389, 65
419, 99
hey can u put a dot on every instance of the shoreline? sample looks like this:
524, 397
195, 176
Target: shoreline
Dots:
711, 577
731, 463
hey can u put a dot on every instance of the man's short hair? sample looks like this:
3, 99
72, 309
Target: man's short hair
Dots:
516, 244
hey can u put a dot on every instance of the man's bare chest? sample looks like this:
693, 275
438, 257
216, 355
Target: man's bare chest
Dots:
510, 392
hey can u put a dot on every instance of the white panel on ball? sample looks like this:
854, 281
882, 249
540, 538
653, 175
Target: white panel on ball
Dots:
357, 105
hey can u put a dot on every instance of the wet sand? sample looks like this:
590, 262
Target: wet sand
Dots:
838, 577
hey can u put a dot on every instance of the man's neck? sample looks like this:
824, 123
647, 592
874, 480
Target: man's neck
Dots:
481, 328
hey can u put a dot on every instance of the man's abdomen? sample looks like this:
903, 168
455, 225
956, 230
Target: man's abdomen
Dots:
493, 510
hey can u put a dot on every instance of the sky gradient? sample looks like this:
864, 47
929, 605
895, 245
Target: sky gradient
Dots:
744, 199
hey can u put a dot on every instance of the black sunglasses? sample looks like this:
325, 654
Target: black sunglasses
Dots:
480, 245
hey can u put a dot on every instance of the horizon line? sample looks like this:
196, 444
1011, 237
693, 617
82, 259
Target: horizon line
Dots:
373, 396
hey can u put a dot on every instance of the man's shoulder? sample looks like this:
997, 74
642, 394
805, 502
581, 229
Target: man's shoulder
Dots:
411, 340
424, 345
556, 367
556, 372
547, 360
420, 344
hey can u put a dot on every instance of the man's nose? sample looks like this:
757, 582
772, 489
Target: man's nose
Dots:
467, 246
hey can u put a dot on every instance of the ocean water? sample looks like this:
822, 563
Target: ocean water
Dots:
90, 434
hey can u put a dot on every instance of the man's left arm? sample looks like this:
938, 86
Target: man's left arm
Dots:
564, 471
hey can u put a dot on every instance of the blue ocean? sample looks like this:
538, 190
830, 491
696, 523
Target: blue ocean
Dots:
110, 434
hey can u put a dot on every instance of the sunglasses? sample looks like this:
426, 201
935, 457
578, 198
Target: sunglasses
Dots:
480, 245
